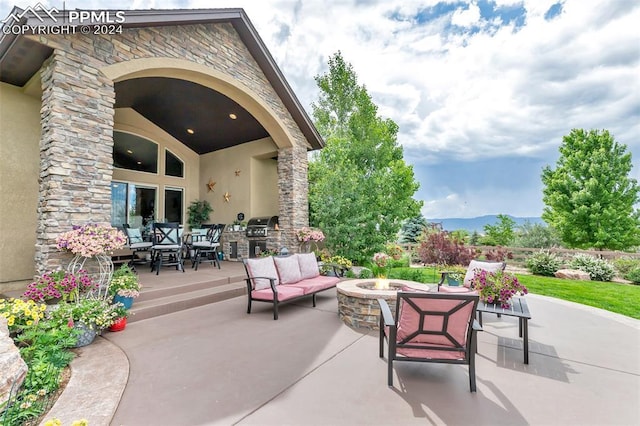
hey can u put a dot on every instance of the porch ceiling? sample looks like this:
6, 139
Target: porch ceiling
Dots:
177, 105
22, 57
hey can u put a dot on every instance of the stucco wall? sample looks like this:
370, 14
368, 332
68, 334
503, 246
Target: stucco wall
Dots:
19, 169
254, 191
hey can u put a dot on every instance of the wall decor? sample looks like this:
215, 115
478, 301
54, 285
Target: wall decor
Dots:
211, 185
237, 172
226, 197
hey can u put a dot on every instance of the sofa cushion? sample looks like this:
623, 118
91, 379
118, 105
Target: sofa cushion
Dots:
308, 265
477, 264
288, 269
262, 267
284, 293
319, 283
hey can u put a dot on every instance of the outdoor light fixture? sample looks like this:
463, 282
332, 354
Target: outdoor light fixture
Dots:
190, 131
233, 116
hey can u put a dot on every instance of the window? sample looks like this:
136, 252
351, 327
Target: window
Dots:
132, 204
132, 152
173, 165
173, 204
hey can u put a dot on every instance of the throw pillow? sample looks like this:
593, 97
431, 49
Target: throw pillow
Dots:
262, 267
288, 269
308, 265
476, 264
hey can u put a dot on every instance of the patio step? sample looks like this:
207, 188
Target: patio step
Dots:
152, 289
166, 301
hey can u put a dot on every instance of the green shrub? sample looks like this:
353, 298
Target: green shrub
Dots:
624, 265
543, 263
366, 273
633, 275
409, 274
598, 269
403, 262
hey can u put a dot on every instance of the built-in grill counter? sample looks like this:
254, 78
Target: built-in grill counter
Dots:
262, 233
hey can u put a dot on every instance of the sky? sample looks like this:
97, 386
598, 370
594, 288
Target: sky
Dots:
482, 91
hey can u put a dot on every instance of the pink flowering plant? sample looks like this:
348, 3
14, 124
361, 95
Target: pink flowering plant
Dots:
307, 234
59, 285
91, 240
380, 264
497, 287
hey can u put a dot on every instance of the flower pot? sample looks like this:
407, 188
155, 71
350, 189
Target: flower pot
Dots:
86, 334
126, 301
452, 281
119, 325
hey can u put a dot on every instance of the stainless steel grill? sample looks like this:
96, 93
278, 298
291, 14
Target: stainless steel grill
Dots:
260, 226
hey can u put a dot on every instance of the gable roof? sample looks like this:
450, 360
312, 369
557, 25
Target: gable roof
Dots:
21, 57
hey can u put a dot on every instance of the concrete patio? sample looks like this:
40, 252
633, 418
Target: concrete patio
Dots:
214, 364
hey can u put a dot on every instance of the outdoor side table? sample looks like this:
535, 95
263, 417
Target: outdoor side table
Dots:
518, 309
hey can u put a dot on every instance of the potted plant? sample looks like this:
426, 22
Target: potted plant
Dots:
380, 264
497, 287
198, 213
120, 323
92, 245
236, 225
454, 274
87, 317
59, 286
309, 237
394, 250
335, 265
125, 286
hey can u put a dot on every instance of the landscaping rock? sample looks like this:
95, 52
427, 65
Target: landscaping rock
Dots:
13, 369
572, 274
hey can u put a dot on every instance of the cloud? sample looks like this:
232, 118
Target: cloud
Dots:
476, 83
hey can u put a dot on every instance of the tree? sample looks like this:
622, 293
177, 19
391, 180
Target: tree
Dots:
412, 229
589, 196
360, 189
500, 234
440, 248
536, 235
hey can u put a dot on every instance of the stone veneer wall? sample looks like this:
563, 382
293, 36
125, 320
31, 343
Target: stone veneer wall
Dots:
359, 312
77, 121
75, 152
294, 194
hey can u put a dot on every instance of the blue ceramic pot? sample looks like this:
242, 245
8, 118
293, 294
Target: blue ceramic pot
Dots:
126, 301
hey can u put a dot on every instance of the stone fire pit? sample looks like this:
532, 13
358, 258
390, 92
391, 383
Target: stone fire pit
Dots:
357, 305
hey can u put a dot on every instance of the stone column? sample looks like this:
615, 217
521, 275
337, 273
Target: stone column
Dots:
76, 151
294, 190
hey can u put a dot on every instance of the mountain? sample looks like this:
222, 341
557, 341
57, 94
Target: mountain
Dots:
477, 223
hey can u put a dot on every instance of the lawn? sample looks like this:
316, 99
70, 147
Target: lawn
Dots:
619, 298
622, 299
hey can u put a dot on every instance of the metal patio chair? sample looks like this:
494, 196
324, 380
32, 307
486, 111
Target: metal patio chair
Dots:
430, 327
208, 249
167, 247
